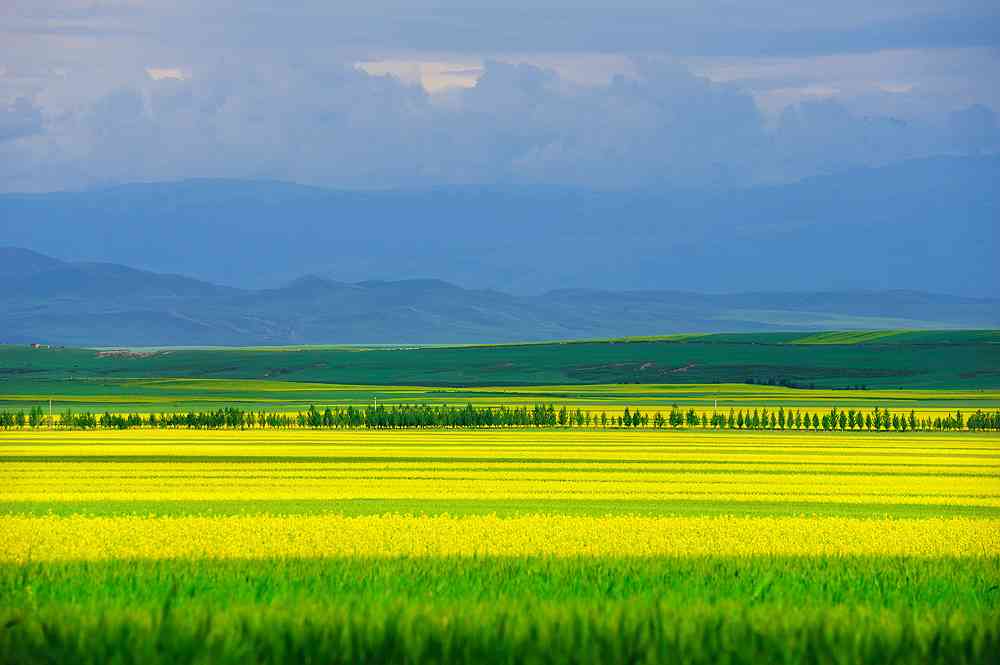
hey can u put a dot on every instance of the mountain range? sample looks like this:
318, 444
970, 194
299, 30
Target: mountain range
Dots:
926, 225
47, 300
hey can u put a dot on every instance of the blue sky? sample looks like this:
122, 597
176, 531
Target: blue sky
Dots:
402, 94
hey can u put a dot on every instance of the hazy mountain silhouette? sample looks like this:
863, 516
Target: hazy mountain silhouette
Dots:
60, 302
927, 225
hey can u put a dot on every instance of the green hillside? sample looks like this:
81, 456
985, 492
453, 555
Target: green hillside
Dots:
966, 360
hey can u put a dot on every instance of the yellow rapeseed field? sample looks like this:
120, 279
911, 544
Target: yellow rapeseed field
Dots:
887, 469
498, 546
198, 482
50, 538
713, 471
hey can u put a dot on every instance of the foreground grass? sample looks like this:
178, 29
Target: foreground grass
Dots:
611, 633
510, 610
897, 583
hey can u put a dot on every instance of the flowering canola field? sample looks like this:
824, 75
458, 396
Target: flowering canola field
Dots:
306, 536
490, 546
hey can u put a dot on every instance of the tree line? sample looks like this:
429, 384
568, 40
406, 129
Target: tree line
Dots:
423, 416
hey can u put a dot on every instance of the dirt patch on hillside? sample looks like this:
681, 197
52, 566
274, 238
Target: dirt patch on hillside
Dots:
125, 353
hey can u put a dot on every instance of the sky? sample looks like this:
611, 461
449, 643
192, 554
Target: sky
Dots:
375, 95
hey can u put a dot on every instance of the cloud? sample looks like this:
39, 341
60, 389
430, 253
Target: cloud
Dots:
343, 127
158, 73
824, 136
20, 119
663, 126
158, 89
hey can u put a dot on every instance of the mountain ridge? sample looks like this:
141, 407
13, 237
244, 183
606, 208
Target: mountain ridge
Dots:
101, 304
861, 229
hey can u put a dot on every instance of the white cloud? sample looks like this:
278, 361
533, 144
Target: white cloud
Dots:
435, 76
159, 73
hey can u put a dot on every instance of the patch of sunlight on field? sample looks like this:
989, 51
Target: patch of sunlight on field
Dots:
52, 538
847, 337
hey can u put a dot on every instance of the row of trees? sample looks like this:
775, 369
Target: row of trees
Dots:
411, 416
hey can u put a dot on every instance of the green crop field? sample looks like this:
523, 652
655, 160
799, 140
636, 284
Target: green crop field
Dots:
893, 360
159, 395
504, 546
925, 370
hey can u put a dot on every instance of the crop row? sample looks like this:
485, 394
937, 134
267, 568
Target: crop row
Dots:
403, 416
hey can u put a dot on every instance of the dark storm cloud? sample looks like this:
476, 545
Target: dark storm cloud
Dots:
162, 89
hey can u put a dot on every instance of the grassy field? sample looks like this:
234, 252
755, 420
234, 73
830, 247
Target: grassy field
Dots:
961, 360
518, 546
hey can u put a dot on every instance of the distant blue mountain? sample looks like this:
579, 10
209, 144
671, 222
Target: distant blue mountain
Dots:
101, 304
927, 225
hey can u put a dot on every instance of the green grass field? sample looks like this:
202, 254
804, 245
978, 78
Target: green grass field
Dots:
960, 360
173, 395
708, 610
499, 547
